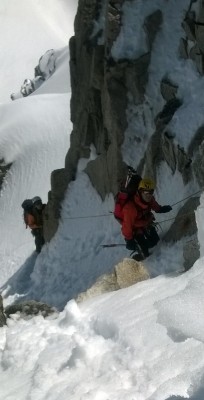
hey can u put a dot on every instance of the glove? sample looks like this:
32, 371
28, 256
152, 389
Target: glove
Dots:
165, 209
131, 244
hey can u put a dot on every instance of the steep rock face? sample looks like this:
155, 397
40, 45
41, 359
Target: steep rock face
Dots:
100, 89
162, 147
103, 86
192, 46
184, 224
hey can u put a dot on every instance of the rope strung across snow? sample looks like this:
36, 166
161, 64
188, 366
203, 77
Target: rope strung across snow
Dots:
193, 194
111, 212
160, 222
170, 219
156, 224
89, 216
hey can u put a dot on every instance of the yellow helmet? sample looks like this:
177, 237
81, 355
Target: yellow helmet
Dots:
146, 184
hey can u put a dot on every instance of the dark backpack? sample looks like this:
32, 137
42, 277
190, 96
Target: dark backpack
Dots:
27, 206
127, 191
31, 215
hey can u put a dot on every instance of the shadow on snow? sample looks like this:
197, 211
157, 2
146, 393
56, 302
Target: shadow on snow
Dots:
20, 282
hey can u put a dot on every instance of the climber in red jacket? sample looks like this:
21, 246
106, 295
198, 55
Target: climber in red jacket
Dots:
138, 220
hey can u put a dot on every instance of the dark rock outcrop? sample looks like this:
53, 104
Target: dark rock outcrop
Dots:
185, 223
2, 315
30, 308
191, 252
26, 309
3, 171
42, 71
168, 89
192, 46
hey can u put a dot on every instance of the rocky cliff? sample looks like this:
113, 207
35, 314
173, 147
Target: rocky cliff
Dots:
111, 108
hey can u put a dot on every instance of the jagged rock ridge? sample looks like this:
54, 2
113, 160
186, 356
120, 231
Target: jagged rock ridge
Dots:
101, 88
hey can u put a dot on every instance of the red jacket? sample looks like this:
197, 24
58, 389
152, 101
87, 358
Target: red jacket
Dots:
137, 215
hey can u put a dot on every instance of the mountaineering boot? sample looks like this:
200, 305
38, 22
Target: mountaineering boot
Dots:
142, 244
138, 253
138, 257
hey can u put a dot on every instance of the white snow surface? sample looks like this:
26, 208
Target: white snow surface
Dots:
28, 29
145, 342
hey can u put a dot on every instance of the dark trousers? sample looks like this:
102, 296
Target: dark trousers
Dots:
39, 239
147, 240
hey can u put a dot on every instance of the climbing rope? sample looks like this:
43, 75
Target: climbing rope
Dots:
89, 216
156, 224
111, 212
188, 197
181, 216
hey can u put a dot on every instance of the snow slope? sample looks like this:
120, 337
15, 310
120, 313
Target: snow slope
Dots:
140, 343
34, 136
